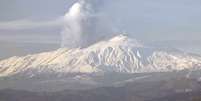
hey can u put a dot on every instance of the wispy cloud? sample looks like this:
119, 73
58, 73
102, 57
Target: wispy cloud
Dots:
29, 24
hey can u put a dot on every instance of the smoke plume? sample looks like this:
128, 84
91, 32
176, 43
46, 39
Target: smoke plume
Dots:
84, 25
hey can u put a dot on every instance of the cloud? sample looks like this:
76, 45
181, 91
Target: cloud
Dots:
29, 24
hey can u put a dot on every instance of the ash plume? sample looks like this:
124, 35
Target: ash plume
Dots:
83, 25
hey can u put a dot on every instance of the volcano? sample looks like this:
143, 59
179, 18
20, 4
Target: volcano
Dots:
119, 55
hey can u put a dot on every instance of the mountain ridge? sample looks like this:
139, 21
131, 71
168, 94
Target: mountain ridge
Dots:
119, 54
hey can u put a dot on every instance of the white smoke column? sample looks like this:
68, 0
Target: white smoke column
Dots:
83, 26
71, 34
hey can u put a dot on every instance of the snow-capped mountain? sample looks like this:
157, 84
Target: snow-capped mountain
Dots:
119, 54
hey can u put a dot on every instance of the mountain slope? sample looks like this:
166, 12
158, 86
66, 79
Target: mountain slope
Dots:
119, 54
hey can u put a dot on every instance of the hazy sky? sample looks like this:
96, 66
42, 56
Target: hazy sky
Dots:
143, 19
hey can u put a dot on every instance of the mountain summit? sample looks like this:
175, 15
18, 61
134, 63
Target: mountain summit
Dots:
123, 39
120, 54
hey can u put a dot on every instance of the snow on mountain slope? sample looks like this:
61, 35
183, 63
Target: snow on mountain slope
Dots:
119, 54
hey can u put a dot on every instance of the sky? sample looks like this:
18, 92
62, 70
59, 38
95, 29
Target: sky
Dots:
145, 20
